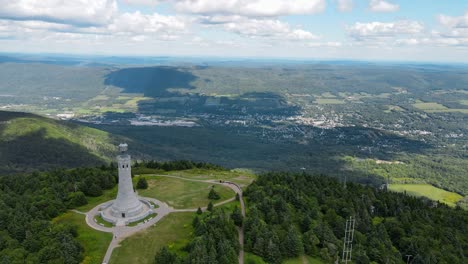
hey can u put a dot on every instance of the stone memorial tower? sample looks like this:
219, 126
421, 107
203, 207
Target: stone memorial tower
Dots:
126, 204
127, 207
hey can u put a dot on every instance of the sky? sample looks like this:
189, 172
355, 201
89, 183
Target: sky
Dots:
387, 30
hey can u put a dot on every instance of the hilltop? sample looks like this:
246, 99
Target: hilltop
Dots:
30, 142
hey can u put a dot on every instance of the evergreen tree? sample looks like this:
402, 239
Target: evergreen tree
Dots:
199, 211
142, 183
236, 216
164, 256
213, 195
292, 244
210, 207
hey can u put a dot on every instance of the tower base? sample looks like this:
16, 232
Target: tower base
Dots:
109, 214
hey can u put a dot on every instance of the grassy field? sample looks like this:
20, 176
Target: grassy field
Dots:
239, 176
181, 193
428, 191
142, 220
431, 107
303, 260
95, 243
173, 230
250, 258
107, 195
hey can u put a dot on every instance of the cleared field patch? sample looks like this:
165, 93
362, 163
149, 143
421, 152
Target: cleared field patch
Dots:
253, 259
432, 107
393, 108
174, 230
323, 101
239, 176
95, 243
303, 260
328, 95
183, 194
428, 191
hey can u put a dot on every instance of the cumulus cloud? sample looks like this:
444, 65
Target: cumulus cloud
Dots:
251, 8
267, 28
454, 21
383, 6
345, 5
141, 2
78, 12
454, 30
330, 44
364, 31
140, 24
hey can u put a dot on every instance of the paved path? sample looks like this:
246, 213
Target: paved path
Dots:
122, 232
240, 230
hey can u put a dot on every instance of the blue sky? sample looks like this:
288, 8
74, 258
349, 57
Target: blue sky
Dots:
403, 30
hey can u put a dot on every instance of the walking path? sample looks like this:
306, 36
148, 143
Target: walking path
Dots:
163, 209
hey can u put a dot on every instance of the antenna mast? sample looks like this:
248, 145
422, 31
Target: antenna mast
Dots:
348, 240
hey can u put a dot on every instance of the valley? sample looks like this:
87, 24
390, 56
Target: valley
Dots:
392, 138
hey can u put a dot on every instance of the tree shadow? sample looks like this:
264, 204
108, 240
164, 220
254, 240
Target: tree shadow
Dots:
151, 81
38, 151
157, 82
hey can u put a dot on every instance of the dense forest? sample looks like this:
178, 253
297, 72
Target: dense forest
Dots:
29, 202
214, 240
141, 167
293, 214
288, 215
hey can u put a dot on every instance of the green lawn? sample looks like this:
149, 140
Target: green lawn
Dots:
304, 260
107, 195
250, 258
432, 107
95, 243
239, 176
101, 221
428, 191
173, 230
181, 193
153, 215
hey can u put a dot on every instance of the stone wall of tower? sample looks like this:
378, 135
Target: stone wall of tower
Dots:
126, 204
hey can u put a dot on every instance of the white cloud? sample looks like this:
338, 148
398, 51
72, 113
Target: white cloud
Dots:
251, 8
331, 44
364, 31
408, 41
454, 31
78, 12
138, 23
135, 26
151, 3
454, 22
345, 5
267, 28
383, 6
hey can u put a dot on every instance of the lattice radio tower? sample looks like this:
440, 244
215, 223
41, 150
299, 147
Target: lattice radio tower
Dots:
348, 240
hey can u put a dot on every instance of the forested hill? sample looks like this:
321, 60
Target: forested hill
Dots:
290, 215
29, 142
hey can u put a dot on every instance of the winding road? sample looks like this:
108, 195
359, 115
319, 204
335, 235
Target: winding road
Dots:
122, 232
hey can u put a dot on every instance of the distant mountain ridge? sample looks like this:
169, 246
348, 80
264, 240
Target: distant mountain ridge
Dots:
29, 142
